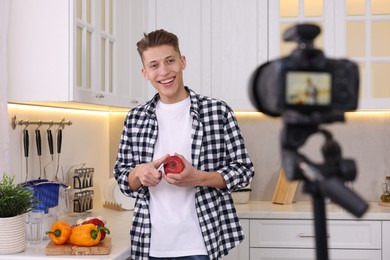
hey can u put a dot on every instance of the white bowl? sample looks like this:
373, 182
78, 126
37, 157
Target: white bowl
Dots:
241, 196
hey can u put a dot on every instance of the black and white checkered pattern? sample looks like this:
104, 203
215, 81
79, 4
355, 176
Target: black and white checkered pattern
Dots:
217, 145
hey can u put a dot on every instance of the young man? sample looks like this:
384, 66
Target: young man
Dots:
189, 215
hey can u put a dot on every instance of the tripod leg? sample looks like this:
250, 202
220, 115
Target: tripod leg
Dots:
320, 227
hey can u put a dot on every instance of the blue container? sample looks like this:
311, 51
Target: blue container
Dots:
45, 192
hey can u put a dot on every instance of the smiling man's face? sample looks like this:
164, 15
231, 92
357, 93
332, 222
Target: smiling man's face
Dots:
163, 67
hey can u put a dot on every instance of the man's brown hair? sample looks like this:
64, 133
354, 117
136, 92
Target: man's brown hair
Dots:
155, 39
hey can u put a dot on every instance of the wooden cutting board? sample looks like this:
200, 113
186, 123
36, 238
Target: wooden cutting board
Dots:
103, 248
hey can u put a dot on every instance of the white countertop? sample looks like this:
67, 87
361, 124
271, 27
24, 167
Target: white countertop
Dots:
304, 210
119, 223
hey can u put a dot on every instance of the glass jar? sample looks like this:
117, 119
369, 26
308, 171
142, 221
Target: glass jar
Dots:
385, 197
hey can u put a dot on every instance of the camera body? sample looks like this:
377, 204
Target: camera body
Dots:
306, 81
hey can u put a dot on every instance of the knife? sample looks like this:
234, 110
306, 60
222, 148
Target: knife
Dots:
161, 168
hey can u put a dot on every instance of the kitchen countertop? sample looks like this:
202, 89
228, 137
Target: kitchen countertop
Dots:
304, 210
119, 223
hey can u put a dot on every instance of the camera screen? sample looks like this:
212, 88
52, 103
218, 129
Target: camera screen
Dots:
308, 88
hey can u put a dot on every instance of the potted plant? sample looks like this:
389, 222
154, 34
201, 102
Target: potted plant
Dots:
15, 202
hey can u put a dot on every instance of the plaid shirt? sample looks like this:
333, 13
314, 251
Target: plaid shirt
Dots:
217, 145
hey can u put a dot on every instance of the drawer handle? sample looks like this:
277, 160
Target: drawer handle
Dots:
309, 235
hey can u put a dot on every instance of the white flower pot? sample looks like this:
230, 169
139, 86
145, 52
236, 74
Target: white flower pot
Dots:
12, 235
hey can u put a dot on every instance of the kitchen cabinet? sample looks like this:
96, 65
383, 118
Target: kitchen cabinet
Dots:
223, 41
190, 21
358, 30
386, 240
309, 254
346, 239
287, 232
78, 51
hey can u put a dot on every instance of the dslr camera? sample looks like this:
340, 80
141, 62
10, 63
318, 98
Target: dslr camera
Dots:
317, 89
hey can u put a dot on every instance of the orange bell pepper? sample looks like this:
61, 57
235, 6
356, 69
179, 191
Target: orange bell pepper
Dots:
60, 232
85, 235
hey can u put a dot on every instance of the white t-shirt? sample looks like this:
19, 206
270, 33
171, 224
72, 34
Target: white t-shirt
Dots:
175, 226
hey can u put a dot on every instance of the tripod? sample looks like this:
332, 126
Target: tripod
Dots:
321, 180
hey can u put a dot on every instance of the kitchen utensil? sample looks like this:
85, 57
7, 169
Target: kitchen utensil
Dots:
59, 144
39, 150
161, 168
26, 149
51, 150
83, 178
83, 201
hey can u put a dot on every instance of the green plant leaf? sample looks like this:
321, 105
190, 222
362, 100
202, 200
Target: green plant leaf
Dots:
14, 199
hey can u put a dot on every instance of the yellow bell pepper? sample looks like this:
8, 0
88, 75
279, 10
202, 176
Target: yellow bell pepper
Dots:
85, 235
59, 232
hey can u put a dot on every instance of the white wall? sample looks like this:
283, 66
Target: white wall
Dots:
85, 141
364, 137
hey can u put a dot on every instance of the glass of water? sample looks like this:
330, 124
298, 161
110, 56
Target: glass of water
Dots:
34, 227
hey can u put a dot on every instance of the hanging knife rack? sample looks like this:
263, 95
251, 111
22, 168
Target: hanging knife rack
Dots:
61, 123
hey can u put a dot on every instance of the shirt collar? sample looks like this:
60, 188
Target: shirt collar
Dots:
151, 105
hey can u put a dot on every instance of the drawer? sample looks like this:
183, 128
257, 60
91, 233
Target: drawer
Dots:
346, 234
310, 254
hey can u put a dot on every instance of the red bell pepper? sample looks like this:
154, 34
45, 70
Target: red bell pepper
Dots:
98, 222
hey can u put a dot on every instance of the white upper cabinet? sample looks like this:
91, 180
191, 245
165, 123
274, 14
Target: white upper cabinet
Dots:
190, 21
355, 29
85, 50
363, 33
76, 50
238, 46
223, 41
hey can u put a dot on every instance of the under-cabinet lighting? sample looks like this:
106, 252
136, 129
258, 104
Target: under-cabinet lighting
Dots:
354, 113
54, 109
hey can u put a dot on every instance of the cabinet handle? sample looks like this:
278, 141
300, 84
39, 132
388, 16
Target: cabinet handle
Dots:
309, 235
99, 95
134, 101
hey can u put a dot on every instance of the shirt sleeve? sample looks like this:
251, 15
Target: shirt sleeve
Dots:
126, 160
239, 170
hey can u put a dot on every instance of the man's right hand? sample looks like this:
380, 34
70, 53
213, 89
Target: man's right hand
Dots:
146, 174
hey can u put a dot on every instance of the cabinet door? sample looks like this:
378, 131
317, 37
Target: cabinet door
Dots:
138, 88
190, 21
238, 46
101, 54
310, 254
385, 240
284, 14
300, 234
363, 34
38, 51
223, 41
357, 30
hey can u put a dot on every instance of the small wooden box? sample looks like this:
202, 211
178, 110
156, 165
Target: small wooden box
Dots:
285, 190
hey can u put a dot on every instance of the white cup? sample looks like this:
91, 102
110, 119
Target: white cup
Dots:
34, 227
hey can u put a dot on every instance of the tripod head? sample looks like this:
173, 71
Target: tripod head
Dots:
327, 178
